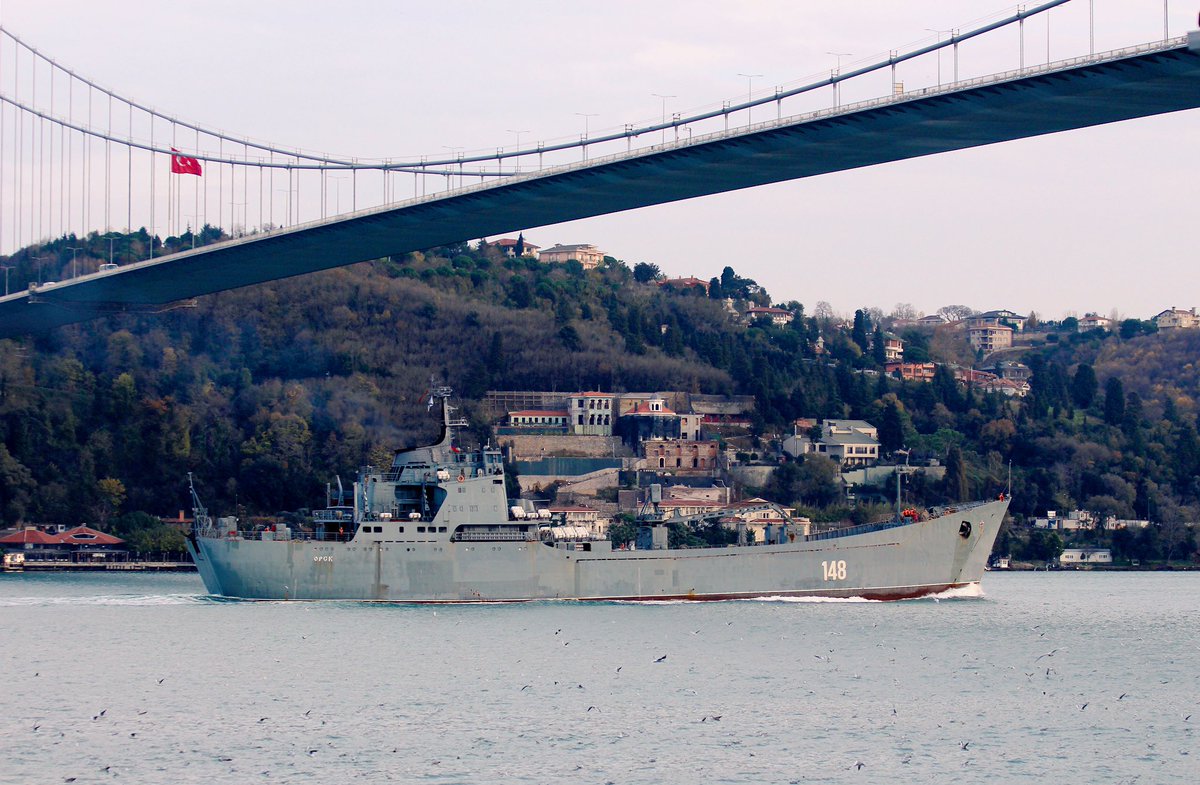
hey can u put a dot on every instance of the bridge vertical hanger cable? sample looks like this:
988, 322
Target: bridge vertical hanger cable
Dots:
153, 225
35, 166
50, 167
196, 194
35, 169
108, 173
203, 185
70, 151
20, 123
3, 111
129, 178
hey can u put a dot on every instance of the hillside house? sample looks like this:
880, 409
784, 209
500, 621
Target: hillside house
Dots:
545, 420
586, 254
1002, 317
592, 413
1093, 322
681, 455
893, 348
919, 372
849, 442
1177, 319
778, 316
515, 248
691, 282
988, 338
1075, 557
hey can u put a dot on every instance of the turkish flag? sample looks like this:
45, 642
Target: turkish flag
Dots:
181, 164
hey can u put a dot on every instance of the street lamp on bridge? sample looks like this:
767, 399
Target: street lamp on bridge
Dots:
940, 33
664, 112
837, 71
586, 116
517, 165
74, 249
749, 93
7, 267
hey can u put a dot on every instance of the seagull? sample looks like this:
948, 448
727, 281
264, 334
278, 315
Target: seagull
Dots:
964, 744
858, 764
619, 669
1084, 706
660, 659
164, 678
594, 707
1122, 695
1047, 654
35, 727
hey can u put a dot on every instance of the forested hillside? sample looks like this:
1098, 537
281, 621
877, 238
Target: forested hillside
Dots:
265, 393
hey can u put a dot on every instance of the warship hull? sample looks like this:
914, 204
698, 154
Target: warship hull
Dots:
883, 561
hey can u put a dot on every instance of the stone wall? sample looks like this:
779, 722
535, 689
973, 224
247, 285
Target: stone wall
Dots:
536, 447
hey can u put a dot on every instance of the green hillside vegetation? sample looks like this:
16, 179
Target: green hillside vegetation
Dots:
267, 392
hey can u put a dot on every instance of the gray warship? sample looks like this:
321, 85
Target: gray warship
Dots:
436, 527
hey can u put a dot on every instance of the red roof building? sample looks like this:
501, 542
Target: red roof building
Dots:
30, 538
86, 536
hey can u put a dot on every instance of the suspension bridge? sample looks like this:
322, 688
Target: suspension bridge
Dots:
61, 162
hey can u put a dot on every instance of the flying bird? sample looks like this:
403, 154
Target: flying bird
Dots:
660, 659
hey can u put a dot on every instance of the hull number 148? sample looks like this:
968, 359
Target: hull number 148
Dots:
834, 570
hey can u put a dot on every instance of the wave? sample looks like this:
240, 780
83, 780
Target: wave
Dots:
810, 599
972, 591
110, 599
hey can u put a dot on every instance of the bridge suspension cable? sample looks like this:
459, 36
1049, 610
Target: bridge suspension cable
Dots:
44, 133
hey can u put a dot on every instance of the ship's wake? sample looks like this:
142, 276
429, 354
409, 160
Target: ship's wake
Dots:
111, 599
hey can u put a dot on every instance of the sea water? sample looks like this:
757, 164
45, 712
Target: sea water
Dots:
1047, 677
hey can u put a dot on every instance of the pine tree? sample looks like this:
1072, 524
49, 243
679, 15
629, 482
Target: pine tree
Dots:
954, 484
891, 432
1084, 386
878, 347
859, 333
1114, 401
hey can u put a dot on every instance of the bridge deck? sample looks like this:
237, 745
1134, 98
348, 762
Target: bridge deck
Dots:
1150, 80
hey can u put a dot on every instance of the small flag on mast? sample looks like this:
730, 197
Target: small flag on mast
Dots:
182, 164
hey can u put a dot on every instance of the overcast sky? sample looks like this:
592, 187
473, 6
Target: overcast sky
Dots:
1090, 220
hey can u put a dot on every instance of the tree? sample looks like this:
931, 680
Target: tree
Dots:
817, 480
956, 313
495, 361
954, 484
891, 432
1114, 401
859, 333
644, 272
1130, 328
1084, 386
878, 348
111, 494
